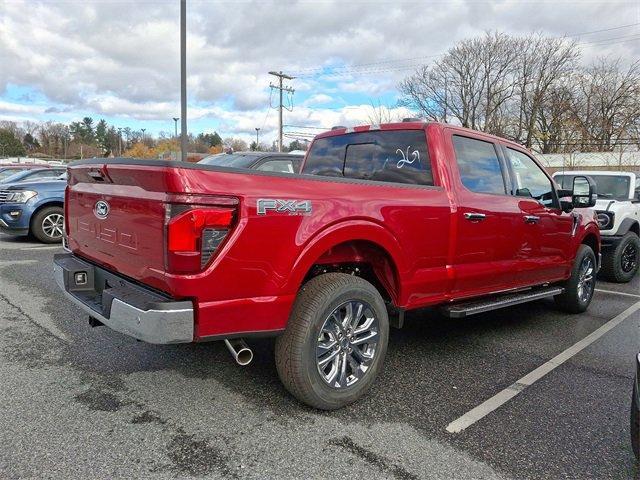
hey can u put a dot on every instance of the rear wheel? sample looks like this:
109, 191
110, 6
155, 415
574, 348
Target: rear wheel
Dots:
582, 283
335, 342
621, 263
48, 225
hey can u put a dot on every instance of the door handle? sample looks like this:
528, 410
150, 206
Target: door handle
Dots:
531, 219
474, 217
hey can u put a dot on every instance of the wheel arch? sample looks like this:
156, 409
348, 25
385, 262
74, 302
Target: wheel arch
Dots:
361, 248
591, 240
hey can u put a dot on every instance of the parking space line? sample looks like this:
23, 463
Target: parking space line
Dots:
37, 247
624, 294
6, 263
495, 402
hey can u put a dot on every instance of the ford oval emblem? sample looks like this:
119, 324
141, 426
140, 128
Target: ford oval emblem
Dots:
101, 209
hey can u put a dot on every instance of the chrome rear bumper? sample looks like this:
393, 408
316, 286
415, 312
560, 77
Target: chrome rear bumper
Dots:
122, 305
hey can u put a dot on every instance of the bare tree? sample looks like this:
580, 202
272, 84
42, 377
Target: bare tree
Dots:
496, 83
543, 63
380, 113
607, 109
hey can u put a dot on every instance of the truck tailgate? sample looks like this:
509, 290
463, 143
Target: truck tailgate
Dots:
116, 218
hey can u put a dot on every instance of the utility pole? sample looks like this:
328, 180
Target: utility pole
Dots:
257, 137
183, 78
281, 76
175, 121
119, 141
143, 130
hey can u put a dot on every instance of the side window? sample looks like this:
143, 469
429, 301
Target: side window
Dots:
399, 156
283, 166
530, 180
326, 157
479, 167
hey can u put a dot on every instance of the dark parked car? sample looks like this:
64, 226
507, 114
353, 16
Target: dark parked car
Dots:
34, 208
7, 169
34, 174
265, 161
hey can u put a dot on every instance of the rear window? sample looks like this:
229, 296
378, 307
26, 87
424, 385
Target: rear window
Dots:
399, 156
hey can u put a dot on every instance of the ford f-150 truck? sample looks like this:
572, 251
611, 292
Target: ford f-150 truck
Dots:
381, 220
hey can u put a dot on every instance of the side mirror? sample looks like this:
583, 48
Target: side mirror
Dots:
584, 192
582, 195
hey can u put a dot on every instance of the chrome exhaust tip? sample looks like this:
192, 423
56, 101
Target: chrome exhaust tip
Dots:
240, 352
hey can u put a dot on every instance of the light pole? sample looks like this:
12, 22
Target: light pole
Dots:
119, 141
257, 137
183, 78
143, 130
175, 121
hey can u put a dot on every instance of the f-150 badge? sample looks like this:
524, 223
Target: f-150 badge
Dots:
277, 205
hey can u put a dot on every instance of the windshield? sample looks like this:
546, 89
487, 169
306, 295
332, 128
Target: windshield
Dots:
8, 171
237, 160
614, 187
14, 177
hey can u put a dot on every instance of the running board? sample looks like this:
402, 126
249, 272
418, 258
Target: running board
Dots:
461, 310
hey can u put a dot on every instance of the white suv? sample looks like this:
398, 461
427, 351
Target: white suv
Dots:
618, 209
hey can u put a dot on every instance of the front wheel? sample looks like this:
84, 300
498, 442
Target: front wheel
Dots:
621, 263
48, 224
578, 290
335, 343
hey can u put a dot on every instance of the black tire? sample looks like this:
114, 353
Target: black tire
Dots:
296, 349
40, 230
612, 261
635, 422
571, 301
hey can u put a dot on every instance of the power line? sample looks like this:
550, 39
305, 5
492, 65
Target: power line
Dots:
603, 30
343, 70
595, 42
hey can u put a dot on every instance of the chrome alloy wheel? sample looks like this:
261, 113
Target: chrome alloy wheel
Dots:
629, 258
53, 225
347, 344
586, 281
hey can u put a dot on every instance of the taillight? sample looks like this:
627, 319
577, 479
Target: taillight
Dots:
194, 233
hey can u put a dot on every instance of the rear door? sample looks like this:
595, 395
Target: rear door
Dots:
547, 229
488, 244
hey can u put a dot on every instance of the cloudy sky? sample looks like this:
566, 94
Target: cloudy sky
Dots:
119, 60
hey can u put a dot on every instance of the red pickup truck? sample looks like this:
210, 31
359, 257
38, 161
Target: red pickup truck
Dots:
382, 220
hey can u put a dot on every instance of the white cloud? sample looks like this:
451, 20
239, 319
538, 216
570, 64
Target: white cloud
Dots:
121, 58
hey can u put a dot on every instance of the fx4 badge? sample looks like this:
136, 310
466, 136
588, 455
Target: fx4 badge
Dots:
277, 205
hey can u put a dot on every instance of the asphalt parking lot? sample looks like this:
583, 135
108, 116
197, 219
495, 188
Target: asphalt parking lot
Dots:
91, 403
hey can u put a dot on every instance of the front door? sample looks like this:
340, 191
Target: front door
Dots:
488, 246
547, 229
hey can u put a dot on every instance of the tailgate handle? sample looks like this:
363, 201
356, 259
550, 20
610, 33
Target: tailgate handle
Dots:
98, 176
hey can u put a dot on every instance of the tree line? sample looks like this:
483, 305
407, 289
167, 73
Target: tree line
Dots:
87, 138
531, 89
